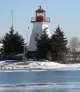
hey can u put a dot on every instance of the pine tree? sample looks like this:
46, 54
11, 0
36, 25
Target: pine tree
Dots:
43, 45
58, 44
13, 43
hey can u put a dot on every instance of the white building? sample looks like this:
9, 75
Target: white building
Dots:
1, 47
40, 23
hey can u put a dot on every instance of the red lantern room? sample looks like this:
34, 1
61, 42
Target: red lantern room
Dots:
40, 16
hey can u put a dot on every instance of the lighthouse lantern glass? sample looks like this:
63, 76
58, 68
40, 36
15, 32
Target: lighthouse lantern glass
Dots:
40, 14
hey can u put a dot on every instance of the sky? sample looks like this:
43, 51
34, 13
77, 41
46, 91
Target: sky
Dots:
65, 13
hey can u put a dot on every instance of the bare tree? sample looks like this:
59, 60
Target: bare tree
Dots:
74, 46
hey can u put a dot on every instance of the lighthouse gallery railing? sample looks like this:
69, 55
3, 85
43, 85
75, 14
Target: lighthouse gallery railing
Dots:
33, 19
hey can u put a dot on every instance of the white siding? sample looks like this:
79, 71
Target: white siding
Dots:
38, 28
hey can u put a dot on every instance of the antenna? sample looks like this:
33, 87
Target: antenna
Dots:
12, 30
12, 18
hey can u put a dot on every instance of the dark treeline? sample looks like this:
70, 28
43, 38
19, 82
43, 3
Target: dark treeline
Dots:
52, 48
13, 44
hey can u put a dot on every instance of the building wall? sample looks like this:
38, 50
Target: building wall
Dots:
38, 28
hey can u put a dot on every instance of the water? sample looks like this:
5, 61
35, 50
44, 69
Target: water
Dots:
40, 81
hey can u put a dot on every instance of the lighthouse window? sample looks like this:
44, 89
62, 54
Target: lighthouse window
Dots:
39, 14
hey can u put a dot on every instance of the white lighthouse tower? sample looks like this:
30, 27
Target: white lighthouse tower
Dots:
40, 23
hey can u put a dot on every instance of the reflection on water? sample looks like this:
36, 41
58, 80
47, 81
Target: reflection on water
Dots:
43, 81
44, 90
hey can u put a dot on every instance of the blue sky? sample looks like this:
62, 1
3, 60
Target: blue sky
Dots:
66, 13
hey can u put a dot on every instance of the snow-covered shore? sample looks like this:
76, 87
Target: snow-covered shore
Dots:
38, 66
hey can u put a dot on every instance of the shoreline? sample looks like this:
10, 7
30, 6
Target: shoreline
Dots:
38, 66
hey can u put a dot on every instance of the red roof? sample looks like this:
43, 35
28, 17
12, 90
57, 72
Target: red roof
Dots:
40, 10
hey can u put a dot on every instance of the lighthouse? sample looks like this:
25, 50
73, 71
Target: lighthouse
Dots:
40, 23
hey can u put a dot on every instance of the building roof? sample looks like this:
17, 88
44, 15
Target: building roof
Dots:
40, 10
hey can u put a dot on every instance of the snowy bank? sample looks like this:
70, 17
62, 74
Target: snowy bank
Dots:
38, 66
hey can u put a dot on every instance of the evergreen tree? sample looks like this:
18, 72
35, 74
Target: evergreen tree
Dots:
43, 45
13, 43
58, 44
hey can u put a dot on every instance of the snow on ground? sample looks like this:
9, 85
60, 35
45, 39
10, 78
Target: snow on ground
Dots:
2, 62
35, 66
46, 65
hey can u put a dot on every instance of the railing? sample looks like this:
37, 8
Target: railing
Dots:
34, 19
48, 19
